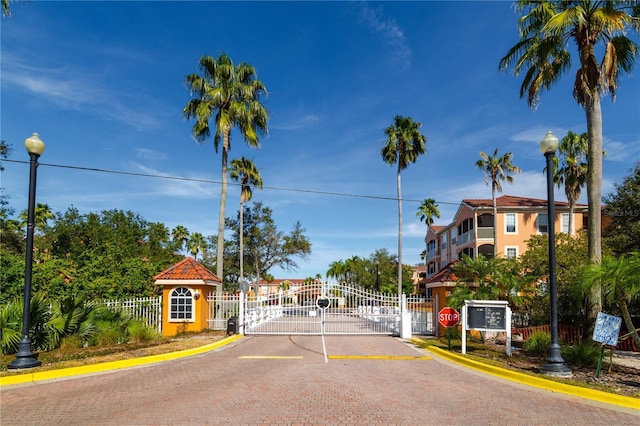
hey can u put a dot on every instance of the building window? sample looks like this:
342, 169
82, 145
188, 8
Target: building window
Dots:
444, 242
511, 252
181, 305
432, 268
468, 251
565, 223
543, 223
510, 223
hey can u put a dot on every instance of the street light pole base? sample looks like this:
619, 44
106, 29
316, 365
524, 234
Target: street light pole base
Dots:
24, 358
556, 369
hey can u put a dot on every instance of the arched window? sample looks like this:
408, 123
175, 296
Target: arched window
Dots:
181, 305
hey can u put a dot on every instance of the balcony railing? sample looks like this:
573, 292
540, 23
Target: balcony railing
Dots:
465, 238
485, 232
433, 253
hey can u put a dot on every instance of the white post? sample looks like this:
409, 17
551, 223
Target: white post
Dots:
464, 328
405, 320
241, 311
508, 327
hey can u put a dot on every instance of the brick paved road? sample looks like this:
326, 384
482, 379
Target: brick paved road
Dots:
285, 380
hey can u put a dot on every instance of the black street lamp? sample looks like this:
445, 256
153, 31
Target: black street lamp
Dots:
555, 364
377, 275
25, 358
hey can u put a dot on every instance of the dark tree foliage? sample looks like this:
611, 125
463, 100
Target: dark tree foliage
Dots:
622, 212
265, 246
109, 255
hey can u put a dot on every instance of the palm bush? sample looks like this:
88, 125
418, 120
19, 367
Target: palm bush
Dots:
538, 343
585, 354
10, 326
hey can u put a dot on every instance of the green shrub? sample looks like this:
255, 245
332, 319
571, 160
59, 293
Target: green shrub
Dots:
140, 332
584, 354
108, 336
72, 341
537, 344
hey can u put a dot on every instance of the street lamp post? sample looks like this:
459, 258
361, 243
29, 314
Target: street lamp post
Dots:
25, 358
377, 275
555, 364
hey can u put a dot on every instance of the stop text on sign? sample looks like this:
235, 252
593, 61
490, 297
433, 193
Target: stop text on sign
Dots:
448, 317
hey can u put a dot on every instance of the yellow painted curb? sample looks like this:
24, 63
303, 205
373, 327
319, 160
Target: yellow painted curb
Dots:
112, 365
539, 382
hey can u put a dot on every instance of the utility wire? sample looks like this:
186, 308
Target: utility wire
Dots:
180, 178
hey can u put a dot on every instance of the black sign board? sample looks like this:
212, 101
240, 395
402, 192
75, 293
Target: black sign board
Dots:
487, 317
322, 302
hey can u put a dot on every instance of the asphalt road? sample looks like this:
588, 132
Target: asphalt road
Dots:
285, 380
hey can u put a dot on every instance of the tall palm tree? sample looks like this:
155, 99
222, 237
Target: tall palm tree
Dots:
244, 171
496, 169
196, 244
426, 212
180, 236
572, 169
404, 145
547, 30
233, 94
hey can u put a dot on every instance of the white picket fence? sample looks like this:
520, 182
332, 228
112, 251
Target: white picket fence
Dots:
148, 309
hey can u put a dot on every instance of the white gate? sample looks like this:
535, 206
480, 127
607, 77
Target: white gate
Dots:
352, 310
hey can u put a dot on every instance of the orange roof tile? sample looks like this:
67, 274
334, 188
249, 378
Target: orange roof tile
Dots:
513, 201
187, 269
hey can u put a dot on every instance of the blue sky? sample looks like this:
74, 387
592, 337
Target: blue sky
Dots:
103, 85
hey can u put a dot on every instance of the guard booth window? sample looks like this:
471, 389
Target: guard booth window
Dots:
181, 301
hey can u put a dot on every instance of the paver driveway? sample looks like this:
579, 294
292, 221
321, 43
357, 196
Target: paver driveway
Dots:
285, 380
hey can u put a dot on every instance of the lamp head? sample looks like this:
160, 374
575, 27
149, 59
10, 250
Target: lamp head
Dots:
34, 144
549, 143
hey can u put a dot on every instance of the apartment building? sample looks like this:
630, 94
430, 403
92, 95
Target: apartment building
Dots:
518, 218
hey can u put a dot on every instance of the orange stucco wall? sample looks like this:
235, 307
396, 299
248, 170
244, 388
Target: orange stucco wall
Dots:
201, 313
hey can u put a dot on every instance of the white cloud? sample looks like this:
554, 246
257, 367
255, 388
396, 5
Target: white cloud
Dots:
299, 123
390, 30
150, 154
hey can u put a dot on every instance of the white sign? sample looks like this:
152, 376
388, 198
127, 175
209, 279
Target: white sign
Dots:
607, 329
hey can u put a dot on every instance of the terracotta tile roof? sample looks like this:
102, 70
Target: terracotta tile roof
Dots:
438, 228
278, 281
187, 269
444, 275
513, 201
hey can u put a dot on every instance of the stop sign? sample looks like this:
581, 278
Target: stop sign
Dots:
448, 317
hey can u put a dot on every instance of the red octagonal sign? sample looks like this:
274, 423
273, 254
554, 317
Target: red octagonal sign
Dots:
448, 317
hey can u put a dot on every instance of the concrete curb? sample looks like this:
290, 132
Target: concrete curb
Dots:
111, 366
538, 382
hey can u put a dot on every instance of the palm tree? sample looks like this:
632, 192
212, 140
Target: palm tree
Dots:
41, 216
426, 212
404, 145
496, 169
337, 270
232, 93
196, 244
244, 171
180, 236
572, 170
547, 29
620, 280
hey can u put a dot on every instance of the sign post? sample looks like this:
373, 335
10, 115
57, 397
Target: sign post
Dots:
486, 315
323, 303
606, 332
448, 317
